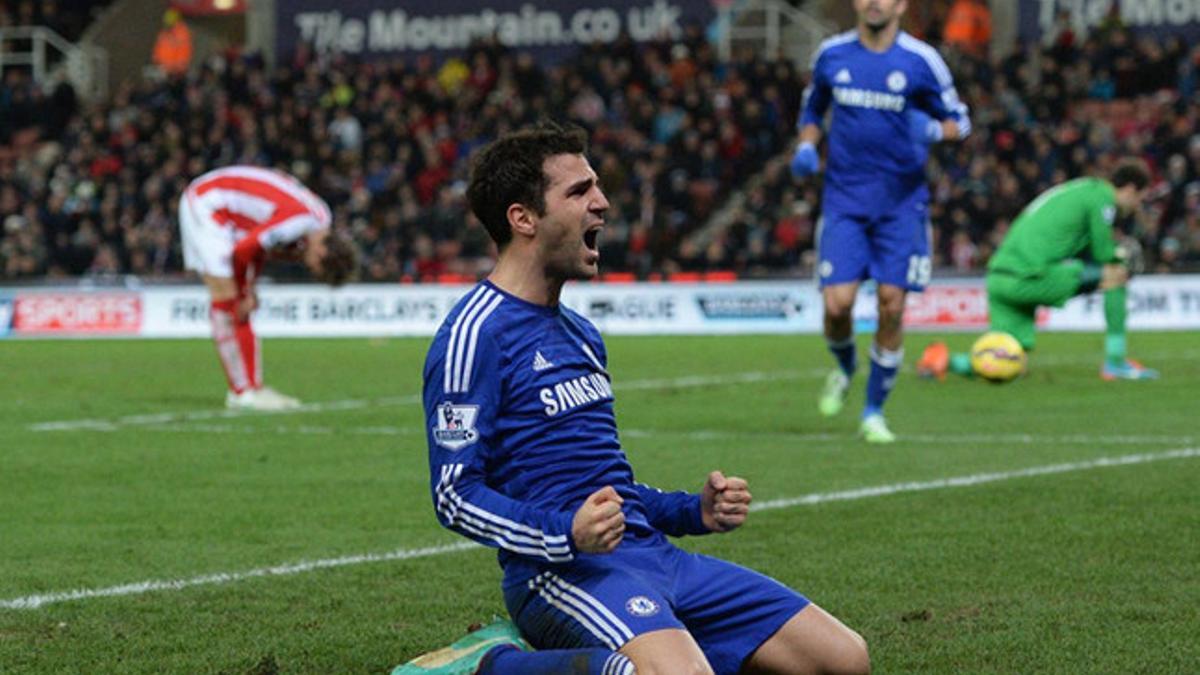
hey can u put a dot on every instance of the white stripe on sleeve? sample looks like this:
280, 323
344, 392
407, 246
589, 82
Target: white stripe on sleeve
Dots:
447, 384
508, 534
471, 346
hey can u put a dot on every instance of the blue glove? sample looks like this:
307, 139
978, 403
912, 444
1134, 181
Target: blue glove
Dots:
805, 161
922, 128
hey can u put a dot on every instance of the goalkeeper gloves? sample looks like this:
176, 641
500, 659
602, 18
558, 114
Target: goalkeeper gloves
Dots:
1129, 253
805, 161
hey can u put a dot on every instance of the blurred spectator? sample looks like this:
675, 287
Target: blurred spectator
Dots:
173, 46
1189, 74
968, 27
346, 131
68, 19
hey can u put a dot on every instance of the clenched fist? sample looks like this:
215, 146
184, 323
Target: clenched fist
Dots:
724, 502
599, 524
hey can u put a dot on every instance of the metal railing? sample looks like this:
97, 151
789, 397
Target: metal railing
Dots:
770, 24
49, 55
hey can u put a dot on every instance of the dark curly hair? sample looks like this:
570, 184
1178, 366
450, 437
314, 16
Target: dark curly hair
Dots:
340, 261
509, 171
1131, 170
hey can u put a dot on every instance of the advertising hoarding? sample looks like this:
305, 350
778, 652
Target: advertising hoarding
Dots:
374, 29
381, 310
1159, 18
77, 313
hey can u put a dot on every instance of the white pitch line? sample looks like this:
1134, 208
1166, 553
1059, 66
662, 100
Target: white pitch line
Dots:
115, 424
1003, 439
137, 588
283, 430
716, 435
976, 479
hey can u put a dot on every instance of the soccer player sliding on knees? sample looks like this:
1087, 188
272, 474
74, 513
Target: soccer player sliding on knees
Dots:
524, 457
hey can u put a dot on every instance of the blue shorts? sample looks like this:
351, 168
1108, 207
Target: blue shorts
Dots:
607, 600
891, 249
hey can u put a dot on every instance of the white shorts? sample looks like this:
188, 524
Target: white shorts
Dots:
207, 246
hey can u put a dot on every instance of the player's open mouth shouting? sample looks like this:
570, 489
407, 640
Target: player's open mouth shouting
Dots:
591, 237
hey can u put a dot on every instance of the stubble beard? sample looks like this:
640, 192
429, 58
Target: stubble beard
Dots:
565, 262
877, 27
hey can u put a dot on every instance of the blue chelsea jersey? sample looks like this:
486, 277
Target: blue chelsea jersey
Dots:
873, 162
521, 430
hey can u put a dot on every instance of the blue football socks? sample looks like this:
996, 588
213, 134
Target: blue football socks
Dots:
846, 354
507, 660
884, 366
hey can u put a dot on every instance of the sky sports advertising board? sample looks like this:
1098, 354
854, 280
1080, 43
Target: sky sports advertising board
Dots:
369, 310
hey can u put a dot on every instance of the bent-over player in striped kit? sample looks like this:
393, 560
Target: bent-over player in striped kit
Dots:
231, 220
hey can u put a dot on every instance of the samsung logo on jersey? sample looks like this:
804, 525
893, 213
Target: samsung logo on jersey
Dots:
571, 394
865, 98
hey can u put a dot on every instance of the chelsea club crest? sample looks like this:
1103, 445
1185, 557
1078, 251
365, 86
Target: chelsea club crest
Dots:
640, 605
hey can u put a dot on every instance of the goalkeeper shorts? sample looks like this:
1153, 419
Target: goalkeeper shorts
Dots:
1013, 299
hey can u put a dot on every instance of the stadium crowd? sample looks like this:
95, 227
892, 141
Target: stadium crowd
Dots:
68, 19
92, 190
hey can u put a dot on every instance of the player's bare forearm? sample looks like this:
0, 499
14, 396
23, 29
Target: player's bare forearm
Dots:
246, 304
810, 133
950, 130
244, 278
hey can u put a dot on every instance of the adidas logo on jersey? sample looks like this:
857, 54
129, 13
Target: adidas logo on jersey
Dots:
540, 362
843, 77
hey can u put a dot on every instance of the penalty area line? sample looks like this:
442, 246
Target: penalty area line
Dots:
117, 423
715, 435
220, 578
695, 381
137, 588
976, 479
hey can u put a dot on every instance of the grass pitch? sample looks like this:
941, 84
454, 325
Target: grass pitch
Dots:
1049, 525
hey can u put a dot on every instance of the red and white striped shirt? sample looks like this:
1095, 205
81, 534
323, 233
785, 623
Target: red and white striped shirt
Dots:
267, 209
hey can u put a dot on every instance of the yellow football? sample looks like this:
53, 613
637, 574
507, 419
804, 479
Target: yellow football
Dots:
997, 357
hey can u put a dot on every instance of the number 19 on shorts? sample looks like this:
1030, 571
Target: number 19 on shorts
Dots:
920, 269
